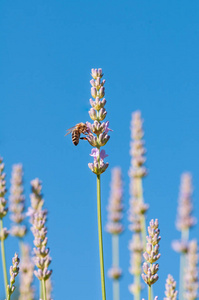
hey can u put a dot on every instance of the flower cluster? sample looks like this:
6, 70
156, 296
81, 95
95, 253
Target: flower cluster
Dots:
115, 206
17, 201
3, 201
26, 275
14, 270
170, 289
115, 215
151, 254
137, 206
137, 150
184, 219
98, 132
38, 219
191, 273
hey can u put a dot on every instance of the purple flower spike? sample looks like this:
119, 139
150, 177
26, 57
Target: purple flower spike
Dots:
98, 132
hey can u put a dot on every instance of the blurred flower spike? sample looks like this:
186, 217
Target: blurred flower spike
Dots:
98, 132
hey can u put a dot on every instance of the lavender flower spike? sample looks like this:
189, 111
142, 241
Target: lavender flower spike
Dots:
170, 286
17, 201
151, 254
115, 206
114, 226
14, 270
184, 218
137, 208
26, 275
3, 213
191, 273
98, 135
38, 219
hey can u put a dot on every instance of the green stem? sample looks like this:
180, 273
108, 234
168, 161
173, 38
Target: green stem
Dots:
115, 263
44, 289
137, 294
4, 261
116, 289
40, 289
184, 238
143, 221
115, 250
149, 292
100, 237
8, 297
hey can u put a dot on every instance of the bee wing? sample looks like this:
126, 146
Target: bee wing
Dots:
69, 130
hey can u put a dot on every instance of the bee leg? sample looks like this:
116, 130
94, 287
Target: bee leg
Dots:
83, 138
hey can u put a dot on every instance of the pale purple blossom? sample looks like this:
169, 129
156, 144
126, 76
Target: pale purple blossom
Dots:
17, 202
98, 132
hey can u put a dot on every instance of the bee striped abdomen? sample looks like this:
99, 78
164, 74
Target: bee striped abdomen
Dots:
75, 137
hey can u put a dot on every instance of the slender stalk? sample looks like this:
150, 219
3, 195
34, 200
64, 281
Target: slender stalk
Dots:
4, 261
137, 295
185, 238
116, 289
44, 289
8, 297
100, 238
149, 293
115, 250
115, 258
40, 289
143, 221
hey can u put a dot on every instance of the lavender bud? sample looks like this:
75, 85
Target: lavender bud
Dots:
151, 254
102, 114
94, 92
103, 139
101, 92
92, 140
92, 114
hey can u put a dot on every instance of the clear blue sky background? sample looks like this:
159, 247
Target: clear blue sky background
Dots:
149, 54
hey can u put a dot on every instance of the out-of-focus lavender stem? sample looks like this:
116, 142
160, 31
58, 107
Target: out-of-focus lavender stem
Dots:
184, 238
115, 263
4, 260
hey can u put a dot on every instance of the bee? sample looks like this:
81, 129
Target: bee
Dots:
76, 132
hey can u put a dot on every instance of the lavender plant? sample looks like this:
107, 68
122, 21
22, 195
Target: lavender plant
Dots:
17, 202
114, 227
98, 137
42, 258
3, 231
14, 271
151, 255
191, 277
137, 206
170, 289
26, 274
185, 221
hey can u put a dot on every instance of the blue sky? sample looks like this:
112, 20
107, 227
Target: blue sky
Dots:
149, 54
